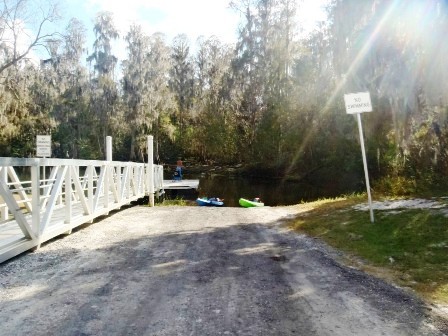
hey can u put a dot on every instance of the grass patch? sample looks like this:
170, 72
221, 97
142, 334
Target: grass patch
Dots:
409, 246
176, 201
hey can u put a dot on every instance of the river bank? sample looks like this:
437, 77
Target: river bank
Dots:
406, 244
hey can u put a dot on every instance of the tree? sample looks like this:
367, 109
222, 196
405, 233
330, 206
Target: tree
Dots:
74, 133
105, 33
17, 18
161, 101
262, 68
135, 84
247, 73
182, 82
104, 89
214, 132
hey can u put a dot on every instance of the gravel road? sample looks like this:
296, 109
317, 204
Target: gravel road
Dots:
198, 271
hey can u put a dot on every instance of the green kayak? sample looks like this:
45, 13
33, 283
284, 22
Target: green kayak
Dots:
249, 204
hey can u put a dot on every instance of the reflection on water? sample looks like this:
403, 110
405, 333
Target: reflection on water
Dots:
271, 192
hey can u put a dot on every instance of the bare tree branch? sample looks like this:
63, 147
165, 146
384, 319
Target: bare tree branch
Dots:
13, 18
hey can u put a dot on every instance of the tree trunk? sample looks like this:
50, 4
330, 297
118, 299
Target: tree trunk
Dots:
132, 152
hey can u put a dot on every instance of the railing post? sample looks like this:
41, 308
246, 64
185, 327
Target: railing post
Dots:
119, 180
128, 182
68, 196
108, 168
4, 177
35, 201
90, 188
150, 170
108, 148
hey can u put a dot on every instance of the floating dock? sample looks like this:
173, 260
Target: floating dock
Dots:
180, 184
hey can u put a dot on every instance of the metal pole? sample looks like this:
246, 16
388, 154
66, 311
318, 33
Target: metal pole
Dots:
151, 169
364, 160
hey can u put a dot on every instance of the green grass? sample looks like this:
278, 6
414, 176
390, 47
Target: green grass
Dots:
177, 201
409, 247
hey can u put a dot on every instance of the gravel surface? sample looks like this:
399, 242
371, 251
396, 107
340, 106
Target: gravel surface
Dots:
198, 271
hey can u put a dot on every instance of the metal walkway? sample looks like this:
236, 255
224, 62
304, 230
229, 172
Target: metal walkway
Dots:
43, 198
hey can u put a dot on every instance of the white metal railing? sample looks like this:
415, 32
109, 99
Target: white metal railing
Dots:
43, 198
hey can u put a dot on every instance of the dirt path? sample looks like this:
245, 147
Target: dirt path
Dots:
197, 271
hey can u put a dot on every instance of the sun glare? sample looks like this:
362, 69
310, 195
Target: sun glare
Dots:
398, 27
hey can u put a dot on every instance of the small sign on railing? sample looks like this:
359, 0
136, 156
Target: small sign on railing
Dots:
43, 146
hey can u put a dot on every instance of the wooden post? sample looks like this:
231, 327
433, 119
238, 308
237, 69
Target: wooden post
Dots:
151, 170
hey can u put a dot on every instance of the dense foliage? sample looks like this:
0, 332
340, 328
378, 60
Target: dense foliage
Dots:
274, 100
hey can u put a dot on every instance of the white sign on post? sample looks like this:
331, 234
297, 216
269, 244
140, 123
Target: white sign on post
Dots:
356, 103
43, 145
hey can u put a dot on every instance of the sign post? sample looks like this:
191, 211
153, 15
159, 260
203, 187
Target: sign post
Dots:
356, 103
43, 149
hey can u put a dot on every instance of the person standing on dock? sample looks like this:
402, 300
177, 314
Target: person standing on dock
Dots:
179, 170
179, 164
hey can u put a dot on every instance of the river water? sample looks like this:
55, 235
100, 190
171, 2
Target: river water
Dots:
272, 192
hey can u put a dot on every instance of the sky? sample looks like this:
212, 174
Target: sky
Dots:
172, 17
